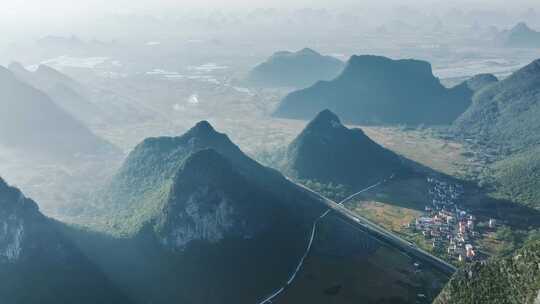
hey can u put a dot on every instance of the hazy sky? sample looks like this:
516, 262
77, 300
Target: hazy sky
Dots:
56, 7
26, 16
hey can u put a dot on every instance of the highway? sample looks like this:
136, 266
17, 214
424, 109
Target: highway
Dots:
364, 225
276, 293
383, 234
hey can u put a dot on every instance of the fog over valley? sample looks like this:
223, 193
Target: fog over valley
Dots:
264, 152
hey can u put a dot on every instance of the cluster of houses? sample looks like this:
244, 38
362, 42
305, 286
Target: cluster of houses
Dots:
447, 227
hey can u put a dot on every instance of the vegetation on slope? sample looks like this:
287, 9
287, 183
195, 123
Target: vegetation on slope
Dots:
140, 189
329, 153
506, 113
511, 280
503, 120
38, 264
518, 177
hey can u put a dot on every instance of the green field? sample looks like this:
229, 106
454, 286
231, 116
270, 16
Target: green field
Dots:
400, 201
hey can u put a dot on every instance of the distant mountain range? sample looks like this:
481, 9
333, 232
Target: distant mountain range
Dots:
295, 69
328, 152
379, 90
94, 106
513, 279
520, 36
32, 122
44, 77
69, 94
38, 264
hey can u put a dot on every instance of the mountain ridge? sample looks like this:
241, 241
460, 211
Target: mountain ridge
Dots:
326, 151
521, 36
35, 254
294, 69
57, 134
199, 197
146, 178
380, 90
503, 111
69, 94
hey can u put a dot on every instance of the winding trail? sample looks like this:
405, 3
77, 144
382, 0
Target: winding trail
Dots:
312, 237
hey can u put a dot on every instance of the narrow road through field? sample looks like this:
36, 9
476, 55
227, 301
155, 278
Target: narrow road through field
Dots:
382, 233
311, 238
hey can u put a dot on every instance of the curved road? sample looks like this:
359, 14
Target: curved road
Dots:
312, 237
367, 226
382, 233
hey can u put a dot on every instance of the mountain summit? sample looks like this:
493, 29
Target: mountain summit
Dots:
198, 214
298, 69
480, 81
328, 152
325, 120
375, 89
211, 201
521, 36
198, 202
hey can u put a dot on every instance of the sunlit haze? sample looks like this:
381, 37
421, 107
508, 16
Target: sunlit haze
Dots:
269, 152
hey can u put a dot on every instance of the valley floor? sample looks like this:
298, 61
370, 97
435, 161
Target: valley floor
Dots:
63, 190
398, 204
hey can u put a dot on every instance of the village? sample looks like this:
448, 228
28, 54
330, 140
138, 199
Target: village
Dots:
451, 231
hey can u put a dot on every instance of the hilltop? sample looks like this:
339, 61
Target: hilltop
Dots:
520, 36
328, 152
194, 210
295, 69
379, 90
480, 81
198, 197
